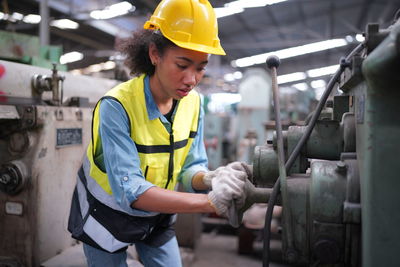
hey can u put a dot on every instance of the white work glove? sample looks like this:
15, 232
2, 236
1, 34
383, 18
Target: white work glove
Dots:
231, 167
227, 188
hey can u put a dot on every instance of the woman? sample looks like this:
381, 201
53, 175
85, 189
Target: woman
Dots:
147, 136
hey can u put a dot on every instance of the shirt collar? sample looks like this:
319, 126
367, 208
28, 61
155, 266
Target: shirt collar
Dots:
151, 106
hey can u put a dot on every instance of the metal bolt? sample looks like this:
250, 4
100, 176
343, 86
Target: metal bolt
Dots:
29, 109
341, 167
5, 178
344, 63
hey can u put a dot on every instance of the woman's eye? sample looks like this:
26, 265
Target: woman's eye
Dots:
181, 66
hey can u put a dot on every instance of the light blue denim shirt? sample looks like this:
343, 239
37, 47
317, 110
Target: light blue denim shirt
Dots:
121, 156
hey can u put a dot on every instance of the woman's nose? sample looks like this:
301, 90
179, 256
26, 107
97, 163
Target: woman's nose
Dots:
189, 78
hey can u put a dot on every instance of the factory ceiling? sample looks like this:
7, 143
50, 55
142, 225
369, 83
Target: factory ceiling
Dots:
279, 25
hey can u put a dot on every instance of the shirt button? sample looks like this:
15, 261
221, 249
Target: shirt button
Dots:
125, 178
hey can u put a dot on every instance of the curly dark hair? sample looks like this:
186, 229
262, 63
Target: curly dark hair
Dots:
136, 49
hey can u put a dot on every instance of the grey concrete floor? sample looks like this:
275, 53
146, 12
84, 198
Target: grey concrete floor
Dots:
216, 250
212, 250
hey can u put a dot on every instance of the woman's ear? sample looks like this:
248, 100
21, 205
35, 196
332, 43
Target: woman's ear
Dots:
153, 54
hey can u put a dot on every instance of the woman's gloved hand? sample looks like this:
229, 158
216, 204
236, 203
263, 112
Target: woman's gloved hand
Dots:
235, 168
227, 186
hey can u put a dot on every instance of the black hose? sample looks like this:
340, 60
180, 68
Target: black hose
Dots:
297, 149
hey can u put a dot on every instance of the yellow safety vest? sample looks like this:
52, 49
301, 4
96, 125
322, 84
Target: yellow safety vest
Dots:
162, 154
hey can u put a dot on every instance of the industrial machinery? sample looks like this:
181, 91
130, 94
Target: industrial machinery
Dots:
45, 118
216, 140
339, 186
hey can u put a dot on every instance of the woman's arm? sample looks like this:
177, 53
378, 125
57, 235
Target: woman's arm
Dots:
198, 183
166, 201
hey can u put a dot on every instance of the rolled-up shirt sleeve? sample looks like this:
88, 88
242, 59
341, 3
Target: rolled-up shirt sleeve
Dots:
196, 160
120, 155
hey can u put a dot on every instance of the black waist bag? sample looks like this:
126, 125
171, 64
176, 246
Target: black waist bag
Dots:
154, 231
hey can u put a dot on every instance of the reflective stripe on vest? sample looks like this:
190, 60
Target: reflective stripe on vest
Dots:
92, 227
97, 191
161, 154
101, 236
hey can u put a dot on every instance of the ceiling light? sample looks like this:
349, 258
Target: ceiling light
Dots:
17, 16
301, 86
109, 65
349, 38
291, 77
238, 6
112, 11
290, 52
76, 72
121, 6
94, 68
252, 3
298, 76
238, 75
322, 71
360, 38
65, 24
227, 11
32, 19
229, 77
71, 57
318, 84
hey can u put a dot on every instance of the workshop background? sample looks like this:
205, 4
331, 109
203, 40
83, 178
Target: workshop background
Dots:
339, 201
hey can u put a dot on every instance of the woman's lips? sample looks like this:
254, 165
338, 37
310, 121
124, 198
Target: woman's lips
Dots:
182, 92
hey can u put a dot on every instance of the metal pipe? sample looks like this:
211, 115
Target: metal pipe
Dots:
256, 194
253, 195
273, 63
44, 33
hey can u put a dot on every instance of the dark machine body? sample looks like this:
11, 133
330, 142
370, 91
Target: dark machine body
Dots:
341, 196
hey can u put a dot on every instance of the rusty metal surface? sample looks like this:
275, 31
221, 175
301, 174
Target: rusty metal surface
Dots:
40, 231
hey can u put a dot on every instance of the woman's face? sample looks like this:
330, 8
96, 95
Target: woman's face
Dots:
178, 70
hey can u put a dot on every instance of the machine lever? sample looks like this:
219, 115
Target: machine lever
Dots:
54, 83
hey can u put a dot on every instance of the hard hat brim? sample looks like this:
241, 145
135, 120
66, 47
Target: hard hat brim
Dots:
187, 45
200, 48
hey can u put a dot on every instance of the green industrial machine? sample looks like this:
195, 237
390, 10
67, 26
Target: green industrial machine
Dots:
26, 49
341, 195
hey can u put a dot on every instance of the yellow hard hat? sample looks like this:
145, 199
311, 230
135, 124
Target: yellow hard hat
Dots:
189, 24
